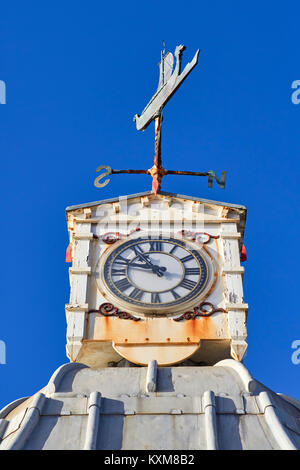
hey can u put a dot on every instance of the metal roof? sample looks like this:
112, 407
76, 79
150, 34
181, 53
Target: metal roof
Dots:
136, 408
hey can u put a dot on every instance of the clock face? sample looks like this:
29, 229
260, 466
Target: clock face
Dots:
155, 273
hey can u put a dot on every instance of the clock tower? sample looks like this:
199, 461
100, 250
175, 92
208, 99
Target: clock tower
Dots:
156, 277
156, 326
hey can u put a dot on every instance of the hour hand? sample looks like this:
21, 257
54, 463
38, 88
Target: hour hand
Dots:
138, 265
159, 270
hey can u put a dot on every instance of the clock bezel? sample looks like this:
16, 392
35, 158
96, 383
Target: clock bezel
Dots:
170, 308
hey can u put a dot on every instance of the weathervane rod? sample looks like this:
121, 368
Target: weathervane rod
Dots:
170, 78
157, 167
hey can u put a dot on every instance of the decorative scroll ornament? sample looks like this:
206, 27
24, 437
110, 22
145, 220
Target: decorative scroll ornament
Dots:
205, 309
199, 237
109, 310
112, 237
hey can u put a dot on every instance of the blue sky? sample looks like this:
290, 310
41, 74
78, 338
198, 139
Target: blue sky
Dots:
75, 74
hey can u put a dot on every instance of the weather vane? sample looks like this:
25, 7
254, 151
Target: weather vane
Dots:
170, 79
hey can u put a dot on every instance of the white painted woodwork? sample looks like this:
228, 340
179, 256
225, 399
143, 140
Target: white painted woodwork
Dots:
165, 215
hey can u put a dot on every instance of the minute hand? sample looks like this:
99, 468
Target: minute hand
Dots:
159, 270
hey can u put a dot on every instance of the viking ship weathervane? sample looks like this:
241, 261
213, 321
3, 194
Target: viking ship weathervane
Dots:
170, 79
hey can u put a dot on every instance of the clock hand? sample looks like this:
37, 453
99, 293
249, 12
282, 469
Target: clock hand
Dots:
138, 265
159, 270
143, 266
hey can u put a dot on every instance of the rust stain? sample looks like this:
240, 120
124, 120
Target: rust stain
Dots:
201, 328
218, 251
107, 322
152, 331
191, 327
208, 328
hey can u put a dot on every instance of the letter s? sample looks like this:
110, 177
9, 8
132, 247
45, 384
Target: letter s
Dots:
107, 172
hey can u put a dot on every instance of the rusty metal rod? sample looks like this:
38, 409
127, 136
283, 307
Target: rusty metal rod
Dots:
167, 172
190, 173
157, 173
138, 172
157, 145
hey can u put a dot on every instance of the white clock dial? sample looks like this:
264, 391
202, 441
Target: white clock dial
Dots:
155, 273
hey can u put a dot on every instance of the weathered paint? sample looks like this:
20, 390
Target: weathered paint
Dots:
188, 408
157, 330
90, 337
163, 354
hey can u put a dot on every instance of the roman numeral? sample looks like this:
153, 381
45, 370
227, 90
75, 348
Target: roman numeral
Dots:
155, 246
123, 284
175, 295
187, 284
173, 249
137, 249
136, 294
138, 252
121, 260
187, 258
192, 271
155, 299
118, 272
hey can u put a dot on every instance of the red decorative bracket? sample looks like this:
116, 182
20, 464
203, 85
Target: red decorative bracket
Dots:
201, 311
199, 237
112, 237
109, 310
